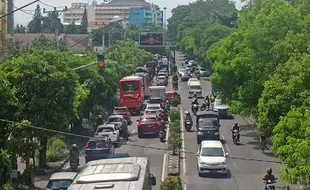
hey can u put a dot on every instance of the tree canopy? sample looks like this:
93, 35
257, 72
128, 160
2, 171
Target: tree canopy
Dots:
261, 68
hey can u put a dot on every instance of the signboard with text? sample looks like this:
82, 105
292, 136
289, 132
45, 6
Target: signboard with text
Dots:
148, 39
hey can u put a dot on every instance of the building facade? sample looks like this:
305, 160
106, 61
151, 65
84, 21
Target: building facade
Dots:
101, 14
139, 17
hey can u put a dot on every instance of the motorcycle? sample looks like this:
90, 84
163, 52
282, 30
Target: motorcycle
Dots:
270, 184
195, 109
188, 125
203, 106
162, 136
236, 136
74, 164
198, 76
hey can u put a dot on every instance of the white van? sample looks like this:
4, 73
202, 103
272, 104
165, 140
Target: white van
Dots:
195, 87
115, 174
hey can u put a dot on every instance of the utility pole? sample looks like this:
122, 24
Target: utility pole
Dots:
165, 18
58, 13
3, 25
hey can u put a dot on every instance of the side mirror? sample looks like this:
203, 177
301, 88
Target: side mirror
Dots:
227, 154
153, 180
138, 120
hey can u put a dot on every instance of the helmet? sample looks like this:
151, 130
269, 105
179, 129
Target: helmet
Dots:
236, 123
74, 146
269, 171
100, 116
186, 113
167, 101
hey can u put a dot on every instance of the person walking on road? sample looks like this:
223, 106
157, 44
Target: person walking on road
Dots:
263, 141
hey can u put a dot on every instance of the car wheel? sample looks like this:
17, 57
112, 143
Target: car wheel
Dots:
200, 174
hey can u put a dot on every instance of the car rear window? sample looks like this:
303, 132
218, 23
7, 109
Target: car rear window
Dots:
59, 184
149, 120
115, 119
105, 130
153, 108
97, 144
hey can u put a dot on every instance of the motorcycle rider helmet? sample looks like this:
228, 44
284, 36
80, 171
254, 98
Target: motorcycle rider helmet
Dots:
236, 123
99, 116
186, 112
269, 171
74, 147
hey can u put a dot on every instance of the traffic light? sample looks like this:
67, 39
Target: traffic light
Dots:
100, 58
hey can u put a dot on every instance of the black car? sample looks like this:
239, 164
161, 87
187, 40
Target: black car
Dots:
185, 77
98, 148
207, 127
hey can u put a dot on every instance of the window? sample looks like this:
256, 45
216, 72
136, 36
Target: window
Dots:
105, 130
195, 87
217, 152
59, 184
115, 119
149, 120
130, 86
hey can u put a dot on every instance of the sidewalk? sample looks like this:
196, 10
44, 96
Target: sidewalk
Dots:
253, 124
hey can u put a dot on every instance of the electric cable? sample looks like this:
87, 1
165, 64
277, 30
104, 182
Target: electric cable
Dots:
128, 144
51, 5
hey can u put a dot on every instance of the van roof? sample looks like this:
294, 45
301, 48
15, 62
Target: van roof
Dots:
117, 173
213, 144
131, 78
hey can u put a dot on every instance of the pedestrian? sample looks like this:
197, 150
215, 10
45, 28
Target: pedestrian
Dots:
263, 141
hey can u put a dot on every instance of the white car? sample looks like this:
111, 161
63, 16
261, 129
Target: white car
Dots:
191, 80
211, 158
110, 130
221, 108
153, 108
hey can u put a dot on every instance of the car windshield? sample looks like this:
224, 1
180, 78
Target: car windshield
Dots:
59, 184
149, 120
155, 100
115, 119
105, 130
97, 144
196, 87
130, 86
212, 152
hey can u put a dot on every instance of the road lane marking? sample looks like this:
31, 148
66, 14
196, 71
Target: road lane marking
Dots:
183, 141
234, 164
226, 145
163, 171
184, 187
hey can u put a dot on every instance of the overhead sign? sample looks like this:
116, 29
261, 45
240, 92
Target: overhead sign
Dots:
148, 39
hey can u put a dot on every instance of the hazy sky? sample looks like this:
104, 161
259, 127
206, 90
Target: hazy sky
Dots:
23, 17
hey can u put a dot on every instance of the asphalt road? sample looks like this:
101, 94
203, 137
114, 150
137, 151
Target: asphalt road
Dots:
140, 147
247, 164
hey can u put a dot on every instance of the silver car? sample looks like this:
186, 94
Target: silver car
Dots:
204, 72
222, 109
61, 180
162, 81
181, 71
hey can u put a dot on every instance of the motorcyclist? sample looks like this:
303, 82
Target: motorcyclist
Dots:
167, 105
207, 99
99, 120
74, 152
269, 176
235, 127
188, 117
195, 101
195, 95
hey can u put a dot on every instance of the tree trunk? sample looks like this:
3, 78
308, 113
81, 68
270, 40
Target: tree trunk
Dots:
42, 151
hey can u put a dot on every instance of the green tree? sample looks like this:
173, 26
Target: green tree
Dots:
5, 166
71, 28
49, 92
44, 43
20, 29
52, 23
35, 25
84, 23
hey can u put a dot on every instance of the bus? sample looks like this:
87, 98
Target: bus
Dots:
132, 93
115, 174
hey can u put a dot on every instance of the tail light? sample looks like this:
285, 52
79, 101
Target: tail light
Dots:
87, 145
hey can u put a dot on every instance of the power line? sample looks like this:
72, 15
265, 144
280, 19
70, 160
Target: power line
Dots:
51, 5
129, 144
18, 9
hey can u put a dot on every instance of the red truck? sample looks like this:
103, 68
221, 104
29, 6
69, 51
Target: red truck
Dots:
132, 93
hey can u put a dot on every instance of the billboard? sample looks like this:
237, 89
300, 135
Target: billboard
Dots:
148, 39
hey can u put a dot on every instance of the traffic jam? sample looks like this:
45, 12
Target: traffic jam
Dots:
143, 95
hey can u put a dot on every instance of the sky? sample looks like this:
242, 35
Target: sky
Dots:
23, 17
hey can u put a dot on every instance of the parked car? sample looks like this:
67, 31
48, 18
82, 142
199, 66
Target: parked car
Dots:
61, 180
124, 112
222, 109
119, 120
211, 158
162, 81
204, 72
149, 124
111, 130
207, 127
98, 148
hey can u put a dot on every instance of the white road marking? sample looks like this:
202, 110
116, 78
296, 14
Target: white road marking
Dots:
226, 144
183, 141
184, 187
234, 164
163, 171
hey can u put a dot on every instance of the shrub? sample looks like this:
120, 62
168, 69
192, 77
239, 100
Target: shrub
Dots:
175, 102
57, 150
174, 141
171, 183
174, 127
174, 114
